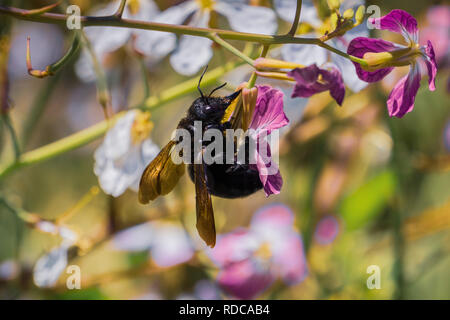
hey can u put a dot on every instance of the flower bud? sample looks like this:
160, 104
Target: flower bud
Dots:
349, 13
334, 21
334, 4
360, 13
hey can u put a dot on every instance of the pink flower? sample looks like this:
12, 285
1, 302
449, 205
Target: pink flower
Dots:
438, 18
250, 260
382, 56
311, 80
267, 117
327, 230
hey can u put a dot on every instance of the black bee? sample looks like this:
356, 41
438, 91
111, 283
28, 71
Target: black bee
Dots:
222, 180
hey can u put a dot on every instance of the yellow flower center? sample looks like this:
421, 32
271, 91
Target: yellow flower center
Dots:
264, 251
134, 6
141, 128
206, 4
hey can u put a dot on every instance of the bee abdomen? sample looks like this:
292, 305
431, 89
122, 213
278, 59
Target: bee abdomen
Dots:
230, 181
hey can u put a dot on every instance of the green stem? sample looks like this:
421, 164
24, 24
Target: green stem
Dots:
14, 139
254, 76
296, 19
54, 67
90, 134
232, 49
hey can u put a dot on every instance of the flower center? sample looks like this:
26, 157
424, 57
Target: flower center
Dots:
396, 58
264, 251
133, 6
206, 4
141, 128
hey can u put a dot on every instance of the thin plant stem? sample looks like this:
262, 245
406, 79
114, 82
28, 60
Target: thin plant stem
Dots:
15, 141
121, 8
296, 19
232, 49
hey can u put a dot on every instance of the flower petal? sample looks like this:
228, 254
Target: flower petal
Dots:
289, 258
360, 46
246, 18
327, 229
136, 238
431, 66
308, 82
193, 52
158, 44
273, 218
401, 99
268, 114
49, 267
171, 245
233, 247
245, 279
398, 21
346, 66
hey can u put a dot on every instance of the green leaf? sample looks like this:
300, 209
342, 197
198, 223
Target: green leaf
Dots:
368, 201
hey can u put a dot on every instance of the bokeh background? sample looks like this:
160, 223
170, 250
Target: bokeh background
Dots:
385, 181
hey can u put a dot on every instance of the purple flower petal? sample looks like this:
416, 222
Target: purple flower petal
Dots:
233, 247
398, 21
245, 279
360, 46
431, 66
327, 229
268, 114
289, 259
401, 99
312, 80
269, 174
274, 217
171, 245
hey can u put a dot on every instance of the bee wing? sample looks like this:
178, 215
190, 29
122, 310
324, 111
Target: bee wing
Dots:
205, 214
160, 176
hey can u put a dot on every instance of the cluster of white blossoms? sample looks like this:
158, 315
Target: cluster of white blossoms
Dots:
124, 153
190, 53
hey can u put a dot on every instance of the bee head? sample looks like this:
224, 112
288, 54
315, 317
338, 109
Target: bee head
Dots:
211, 108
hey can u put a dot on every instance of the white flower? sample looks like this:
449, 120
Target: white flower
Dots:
108, 39
309, 54
167, 243
49, 267
192, 52
124, 153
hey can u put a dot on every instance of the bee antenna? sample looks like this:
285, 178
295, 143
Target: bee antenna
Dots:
200, 81
219, 87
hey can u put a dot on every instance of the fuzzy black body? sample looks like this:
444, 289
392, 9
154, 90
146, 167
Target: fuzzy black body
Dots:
222, 180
